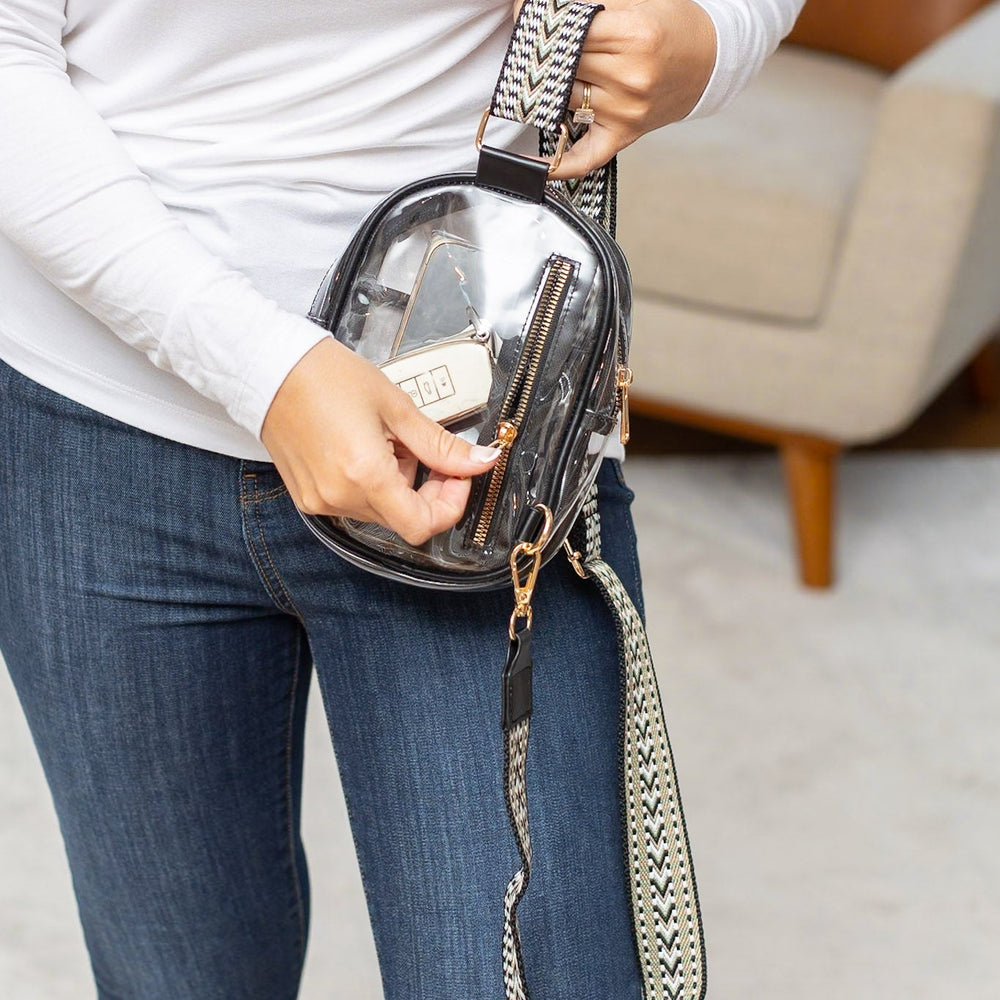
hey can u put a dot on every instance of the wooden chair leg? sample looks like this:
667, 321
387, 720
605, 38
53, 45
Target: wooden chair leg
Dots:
811, 472
983, 373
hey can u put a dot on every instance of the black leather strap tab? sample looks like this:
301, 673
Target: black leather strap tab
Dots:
517, 680
512, 174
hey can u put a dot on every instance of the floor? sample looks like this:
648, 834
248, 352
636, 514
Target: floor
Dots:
839, 753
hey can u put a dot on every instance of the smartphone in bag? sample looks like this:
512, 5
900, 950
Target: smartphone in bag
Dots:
442, 354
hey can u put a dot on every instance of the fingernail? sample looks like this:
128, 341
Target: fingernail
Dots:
479, 453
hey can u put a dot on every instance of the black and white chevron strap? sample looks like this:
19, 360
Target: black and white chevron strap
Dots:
540, 66
664, 895
515, 787
535, 86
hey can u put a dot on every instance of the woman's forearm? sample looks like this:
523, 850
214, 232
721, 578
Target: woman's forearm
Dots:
87, 218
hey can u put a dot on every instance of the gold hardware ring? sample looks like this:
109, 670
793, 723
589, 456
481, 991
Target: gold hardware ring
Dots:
584, 115
560, 145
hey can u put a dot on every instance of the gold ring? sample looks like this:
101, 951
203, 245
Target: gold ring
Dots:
584, 115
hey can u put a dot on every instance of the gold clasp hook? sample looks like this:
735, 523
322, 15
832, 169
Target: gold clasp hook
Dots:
523, 590
575, 560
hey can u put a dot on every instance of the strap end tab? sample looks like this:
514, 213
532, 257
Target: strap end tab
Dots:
517, 680
512, 174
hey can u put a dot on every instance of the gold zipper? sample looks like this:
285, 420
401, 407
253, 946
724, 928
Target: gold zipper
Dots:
515, 405
622, 384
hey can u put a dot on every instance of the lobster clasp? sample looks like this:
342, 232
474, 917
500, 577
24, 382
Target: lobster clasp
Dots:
524, 580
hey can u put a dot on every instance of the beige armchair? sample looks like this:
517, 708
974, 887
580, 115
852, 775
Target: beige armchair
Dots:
814, 264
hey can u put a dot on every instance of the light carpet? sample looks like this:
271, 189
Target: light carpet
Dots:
839, 753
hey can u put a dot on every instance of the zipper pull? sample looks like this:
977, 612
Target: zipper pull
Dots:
622, 384
506, 435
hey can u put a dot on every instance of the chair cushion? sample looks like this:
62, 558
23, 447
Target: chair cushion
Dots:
885, 33
744, 211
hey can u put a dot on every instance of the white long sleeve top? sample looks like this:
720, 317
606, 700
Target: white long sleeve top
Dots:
176, 177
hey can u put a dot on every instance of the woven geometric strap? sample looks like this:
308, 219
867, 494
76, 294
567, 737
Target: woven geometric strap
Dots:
516, 791
663, 895
535, 86
662, 886
540, 66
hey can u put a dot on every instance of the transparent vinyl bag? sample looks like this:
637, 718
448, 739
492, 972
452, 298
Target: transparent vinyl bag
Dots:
505, 320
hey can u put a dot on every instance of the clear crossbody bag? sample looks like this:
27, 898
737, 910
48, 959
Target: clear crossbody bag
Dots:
506, 318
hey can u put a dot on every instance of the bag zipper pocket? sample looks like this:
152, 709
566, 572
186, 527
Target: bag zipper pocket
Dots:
554, 289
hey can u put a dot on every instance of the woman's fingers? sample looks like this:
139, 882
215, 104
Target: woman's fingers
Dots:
417, 516
596, 148
611, 31
615, 126
347, 441
648, 63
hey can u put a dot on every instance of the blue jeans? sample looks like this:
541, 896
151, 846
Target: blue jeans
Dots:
161, 611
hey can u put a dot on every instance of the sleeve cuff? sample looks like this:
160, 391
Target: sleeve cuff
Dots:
285, 346
746, 33
709, 100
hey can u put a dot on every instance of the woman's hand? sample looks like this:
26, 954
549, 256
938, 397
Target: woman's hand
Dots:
346, 442
648, 63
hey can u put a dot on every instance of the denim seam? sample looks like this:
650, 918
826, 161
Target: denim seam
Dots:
249, 502
289, 808
262, 573
271, 494
362, 871
290, 604
273, 582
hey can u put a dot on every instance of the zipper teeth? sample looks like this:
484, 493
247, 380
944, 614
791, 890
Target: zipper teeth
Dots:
485, 518
523, 382
538, 335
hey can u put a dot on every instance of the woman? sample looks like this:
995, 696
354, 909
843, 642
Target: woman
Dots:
174, 179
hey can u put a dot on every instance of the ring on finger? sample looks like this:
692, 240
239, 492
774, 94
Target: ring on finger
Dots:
584, 115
